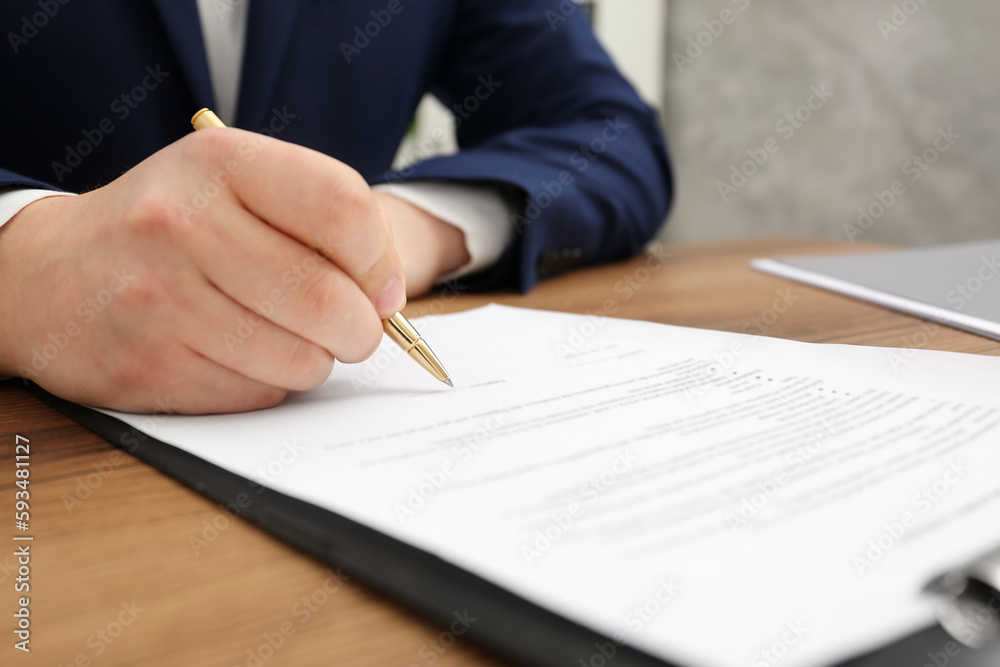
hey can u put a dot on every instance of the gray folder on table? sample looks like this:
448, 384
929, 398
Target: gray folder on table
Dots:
957, 285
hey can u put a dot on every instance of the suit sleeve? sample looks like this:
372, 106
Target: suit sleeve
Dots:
9, 179
540, 108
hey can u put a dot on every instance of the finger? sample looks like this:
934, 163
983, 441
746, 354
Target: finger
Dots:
179, 380
322, 203
286, 283
213, 389
236, 338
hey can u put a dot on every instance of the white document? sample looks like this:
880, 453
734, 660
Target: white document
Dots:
712, 498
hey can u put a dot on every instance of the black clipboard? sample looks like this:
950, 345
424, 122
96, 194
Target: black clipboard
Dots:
507, 624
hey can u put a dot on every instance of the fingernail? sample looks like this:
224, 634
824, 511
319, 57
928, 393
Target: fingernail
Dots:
392, 298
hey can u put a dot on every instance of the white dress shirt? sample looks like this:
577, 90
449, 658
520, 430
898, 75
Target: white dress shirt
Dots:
480, 211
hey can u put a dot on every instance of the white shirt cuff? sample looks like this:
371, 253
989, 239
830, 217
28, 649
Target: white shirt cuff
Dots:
480, 211
12, 200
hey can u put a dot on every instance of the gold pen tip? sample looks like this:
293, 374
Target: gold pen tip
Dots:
449, 383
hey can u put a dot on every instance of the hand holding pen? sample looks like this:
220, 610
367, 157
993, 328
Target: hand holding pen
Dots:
192, 282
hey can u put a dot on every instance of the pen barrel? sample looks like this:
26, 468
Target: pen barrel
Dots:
401, 332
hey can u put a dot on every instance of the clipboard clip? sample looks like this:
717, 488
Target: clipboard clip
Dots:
968, 601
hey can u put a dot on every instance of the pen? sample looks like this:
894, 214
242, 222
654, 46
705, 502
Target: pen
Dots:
397, 327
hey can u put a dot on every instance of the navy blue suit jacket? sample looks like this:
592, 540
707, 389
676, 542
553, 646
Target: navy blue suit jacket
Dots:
92, 87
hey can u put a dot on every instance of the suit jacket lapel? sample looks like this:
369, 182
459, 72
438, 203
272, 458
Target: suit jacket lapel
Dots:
269, 27
180, 17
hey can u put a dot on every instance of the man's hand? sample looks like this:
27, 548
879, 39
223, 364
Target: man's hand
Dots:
217, 275
428, 246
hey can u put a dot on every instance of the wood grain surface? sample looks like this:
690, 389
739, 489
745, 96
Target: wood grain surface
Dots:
131, 568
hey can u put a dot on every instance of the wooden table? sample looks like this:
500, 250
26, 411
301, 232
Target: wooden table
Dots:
117, 579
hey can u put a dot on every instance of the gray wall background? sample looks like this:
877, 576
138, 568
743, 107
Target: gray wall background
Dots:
891, 92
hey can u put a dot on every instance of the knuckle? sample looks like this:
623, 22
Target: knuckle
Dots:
364, 334
307, 366
152, 216
324, 297
145, 292
212, 144
384, 267
135, 371
263, 397
374, 340
353, 185
244, 396
351, 206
